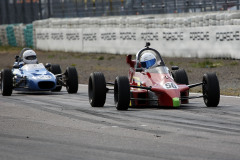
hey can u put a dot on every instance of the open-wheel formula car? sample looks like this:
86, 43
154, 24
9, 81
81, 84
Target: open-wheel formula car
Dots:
150, 83
34, 76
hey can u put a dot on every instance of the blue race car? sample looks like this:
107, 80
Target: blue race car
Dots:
36, 77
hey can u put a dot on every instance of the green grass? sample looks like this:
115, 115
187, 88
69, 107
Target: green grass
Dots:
171, 63
10, 49
101, 58
235, 63
63, 57
76, 55
207, 64
51, 56
111, 57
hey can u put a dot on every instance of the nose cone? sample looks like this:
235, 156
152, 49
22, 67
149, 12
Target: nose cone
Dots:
166, 89
169, 97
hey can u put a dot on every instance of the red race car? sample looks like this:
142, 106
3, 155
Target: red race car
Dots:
151, 83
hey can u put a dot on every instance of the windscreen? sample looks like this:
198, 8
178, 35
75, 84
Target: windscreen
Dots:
158, 69
33, 67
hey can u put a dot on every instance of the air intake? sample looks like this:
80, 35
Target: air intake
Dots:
46, 84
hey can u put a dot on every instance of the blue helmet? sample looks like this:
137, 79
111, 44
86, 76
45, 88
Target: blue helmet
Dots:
147, 60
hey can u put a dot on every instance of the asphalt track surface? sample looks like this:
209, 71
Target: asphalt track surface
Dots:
64, 126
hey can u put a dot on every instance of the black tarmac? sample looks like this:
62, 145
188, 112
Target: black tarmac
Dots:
64, 126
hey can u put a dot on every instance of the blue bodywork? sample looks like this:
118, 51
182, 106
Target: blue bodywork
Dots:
33, 77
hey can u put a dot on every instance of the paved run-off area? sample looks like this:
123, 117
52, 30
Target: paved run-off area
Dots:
64, 126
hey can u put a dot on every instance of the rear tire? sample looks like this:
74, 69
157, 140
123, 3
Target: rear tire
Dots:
56, 69
180, 77
97, 89
71, 80
122, 93
211, 90
6, 82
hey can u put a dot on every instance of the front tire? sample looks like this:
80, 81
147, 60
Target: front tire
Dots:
6, 82
211, 90
180, 77
56, 69
71, 80
97, 89
121, 93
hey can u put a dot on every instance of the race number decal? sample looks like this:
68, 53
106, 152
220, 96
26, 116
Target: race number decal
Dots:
44, 77
170, 85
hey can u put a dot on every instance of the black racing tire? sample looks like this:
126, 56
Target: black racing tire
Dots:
6, 82
56, 69
180, 77
121, 93
97, 89
211, 90
71, 80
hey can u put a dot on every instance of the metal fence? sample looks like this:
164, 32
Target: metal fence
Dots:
26, 11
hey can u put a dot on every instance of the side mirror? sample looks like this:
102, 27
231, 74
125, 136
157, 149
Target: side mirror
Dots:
175, 68
139, 69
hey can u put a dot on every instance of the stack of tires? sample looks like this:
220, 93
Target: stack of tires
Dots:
18, 30
11, 36
28, 35
3, 35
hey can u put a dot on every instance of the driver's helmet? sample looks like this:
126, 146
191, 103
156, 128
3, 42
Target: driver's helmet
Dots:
147, 60
30, 57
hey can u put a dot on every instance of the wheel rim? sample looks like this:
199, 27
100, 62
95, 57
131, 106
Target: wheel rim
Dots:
90, 90
66, 78
116, 92
205, 91
1, 85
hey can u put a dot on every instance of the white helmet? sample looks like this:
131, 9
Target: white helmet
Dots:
147, 60
30, 57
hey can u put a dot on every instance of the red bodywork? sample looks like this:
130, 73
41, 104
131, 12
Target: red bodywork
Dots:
159, 94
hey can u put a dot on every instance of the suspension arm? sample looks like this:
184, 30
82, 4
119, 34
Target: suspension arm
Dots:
195, 85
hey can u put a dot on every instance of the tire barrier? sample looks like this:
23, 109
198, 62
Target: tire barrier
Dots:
28, 35
16, 35
3, 35
18, 31
11, 36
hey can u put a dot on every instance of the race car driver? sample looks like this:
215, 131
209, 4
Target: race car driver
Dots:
148, 60
28, 57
